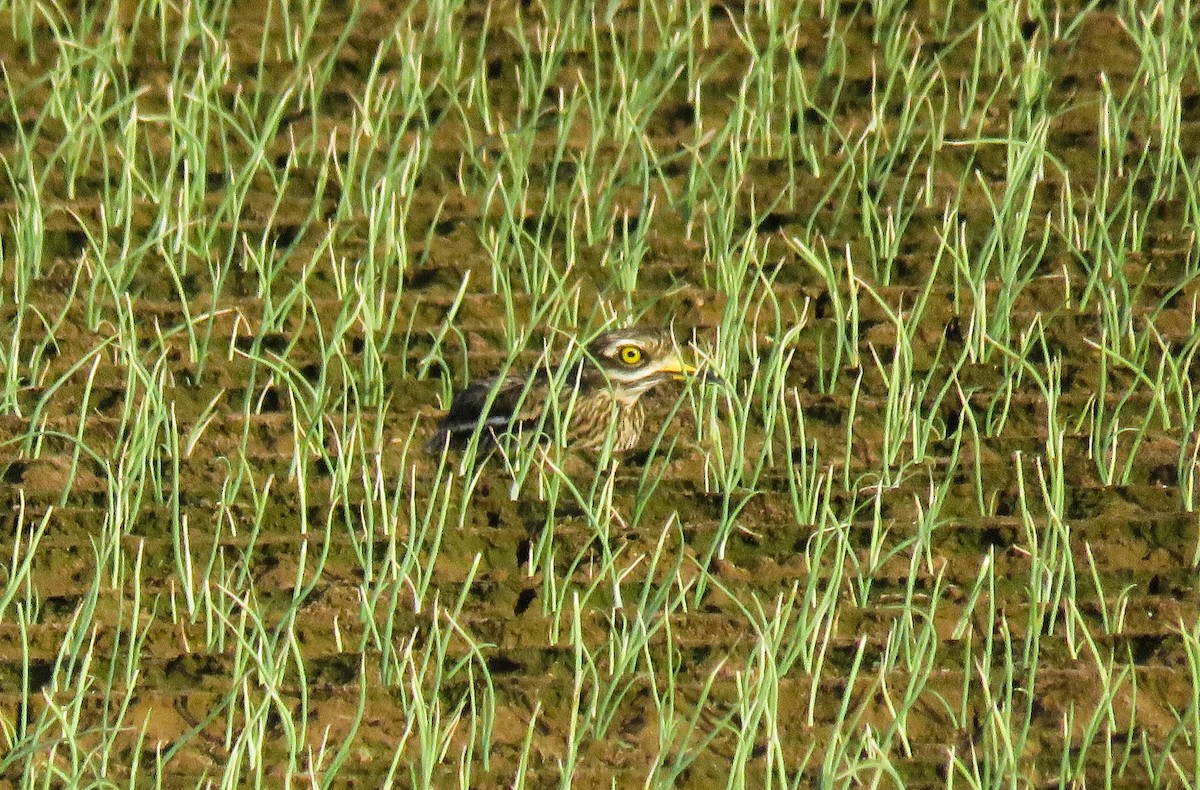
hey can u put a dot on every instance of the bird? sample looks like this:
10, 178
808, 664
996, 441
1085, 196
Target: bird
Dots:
600, 395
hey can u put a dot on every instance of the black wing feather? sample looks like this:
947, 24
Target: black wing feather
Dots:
467, 411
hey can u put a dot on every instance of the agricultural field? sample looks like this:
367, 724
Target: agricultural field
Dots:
940, 528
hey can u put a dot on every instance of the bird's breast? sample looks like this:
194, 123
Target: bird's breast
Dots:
594, 416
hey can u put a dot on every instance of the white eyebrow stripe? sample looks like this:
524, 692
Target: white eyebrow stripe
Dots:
627, 341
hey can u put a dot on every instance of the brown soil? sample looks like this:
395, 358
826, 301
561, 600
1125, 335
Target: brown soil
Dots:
1138, 533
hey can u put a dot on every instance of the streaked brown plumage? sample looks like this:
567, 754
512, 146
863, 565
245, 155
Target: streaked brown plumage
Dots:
601, 390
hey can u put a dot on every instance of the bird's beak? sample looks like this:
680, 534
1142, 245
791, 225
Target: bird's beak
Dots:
681, 371
677, 368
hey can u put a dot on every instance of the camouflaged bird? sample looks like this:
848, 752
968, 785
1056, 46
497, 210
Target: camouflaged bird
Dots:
600, 393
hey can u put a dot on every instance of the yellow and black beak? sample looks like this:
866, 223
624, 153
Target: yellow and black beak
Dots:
682, 371
678, 369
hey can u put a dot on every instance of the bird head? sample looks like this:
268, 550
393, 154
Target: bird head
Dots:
636, 360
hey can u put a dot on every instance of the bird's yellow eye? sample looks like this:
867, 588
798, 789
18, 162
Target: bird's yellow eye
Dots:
630, 355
